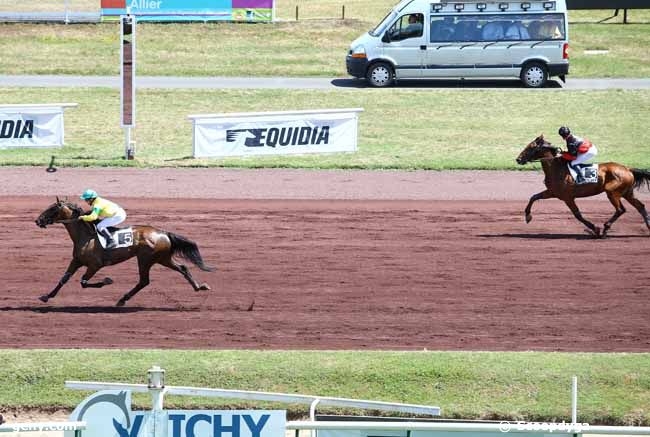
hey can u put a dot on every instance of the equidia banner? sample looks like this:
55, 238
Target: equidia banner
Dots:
32, 125
275, 133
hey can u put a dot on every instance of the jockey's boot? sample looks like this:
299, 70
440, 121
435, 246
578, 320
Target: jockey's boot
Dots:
110, 243
579, 177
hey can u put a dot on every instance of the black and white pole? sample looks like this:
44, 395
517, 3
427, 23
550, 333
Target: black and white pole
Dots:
127, 78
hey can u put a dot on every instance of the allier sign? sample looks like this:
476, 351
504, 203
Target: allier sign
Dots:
108, 414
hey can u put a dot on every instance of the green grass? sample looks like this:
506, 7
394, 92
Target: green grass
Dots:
308, 47
400, 128
614, 388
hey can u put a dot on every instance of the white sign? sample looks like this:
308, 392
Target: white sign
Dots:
275, 133
108, 413
32, 125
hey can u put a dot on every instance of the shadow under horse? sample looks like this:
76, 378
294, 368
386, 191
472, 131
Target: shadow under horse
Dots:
150, 246
616, 180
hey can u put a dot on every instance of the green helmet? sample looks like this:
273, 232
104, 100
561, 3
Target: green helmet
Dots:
88, 194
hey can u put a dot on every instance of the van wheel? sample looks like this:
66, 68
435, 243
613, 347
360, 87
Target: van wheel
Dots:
380, 75
534, 75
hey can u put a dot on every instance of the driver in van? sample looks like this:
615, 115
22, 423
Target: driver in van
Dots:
415, 25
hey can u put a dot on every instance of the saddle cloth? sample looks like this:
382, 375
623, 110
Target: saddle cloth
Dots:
589, 173
122, 236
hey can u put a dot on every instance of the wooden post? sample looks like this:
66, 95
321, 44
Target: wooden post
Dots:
343, 13
296, 12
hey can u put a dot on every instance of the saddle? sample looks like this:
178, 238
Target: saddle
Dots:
123, 237
589, 173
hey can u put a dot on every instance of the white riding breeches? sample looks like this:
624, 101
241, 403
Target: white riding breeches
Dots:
584, 157
118, 218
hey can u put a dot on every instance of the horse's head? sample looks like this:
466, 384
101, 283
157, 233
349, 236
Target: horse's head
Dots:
60, 210
539, 148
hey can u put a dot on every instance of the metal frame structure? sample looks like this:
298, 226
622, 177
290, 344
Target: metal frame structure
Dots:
158, 390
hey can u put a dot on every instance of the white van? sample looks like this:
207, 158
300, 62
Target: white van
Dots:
426, 39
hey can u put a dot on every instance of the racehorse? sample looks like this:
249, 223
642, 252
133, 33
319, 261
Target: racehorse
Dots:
150, 246
617, 180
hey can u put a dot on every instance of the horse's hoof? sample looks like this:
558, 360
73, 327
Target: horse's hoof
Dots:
107, 281
204, 287
44, 298
529, 218
120, 303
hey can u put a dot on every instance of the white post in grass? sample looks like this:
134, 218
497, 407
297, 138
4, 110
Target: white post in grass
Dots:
574, 400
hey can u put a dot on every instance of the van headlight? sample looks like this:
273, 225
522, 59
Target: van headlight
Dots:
358, 52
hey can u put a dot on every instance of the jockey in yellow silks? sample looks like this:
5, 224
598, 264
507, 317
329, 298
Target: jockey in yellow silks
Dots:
108, 212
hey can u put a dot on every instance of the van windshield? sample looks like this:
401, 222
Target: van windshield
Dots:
383, 24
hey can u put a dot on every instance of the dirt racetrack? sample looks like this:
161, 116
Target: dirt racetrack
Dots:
333, 260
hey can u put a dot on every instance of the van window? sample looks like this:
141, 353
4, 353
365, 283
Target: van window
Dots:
497, 27
408, 26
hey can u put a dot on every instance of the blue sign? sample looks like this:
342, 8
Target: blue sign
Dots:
108, 413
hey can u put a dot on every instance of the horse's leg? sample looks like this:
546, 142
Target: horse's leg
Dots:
615, 199
72, 268
639, 207
543, 195
576, 212
90, 272
144, 265
170, 263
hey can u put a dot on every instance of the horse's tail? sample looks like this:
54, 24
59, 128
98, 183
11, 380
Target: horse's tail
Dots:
188, 250
641, 176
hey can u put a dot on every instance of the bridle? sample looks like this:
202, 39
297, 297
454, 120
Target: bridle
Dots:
545, 145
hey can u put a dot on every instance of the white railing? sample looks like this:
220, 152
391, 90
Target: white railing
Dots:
158, 390
455, 426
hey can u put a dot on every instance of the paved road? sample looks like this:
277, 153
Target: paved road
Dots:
304, 83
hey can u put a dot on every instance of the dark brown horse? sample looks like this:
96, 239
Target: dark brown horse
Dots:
617, 180
150, 246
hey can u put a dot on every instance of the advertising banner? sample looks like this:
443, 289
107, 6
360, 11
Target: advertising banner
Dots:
108, 413
189, 10
275, 133
32, 125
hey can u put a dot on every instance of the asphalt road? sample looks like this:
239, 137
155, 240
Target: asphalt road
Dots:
306, 83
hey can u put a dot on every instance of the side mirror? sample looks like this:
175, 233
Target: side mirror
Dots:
386, 37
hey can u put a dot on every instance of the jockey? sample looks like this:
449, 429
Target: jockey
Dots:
579, 150
108, 212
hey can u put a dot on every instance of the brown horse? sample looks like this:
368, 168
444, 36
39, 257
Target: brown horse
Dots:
150, 246
617, 180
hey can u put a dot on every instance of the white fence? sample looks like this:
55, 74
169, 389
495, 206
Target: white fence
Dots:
63, 11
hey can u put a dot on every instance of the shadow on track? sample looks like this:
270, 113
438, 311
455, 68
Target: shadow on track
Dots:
444, 83
95, 309
584, 236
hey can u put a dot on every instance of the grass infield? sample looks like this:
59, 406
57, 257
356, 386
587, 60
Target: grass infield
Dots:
613, 388
315, 45
400, 128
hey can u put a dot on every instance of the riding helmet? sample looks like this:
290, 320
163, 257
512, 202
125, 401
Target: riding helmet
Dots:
564, 132
89, 194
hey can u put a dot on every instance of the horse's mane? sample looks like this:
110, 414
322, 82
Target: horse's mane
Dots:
76, 209
76, 212
547, 144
